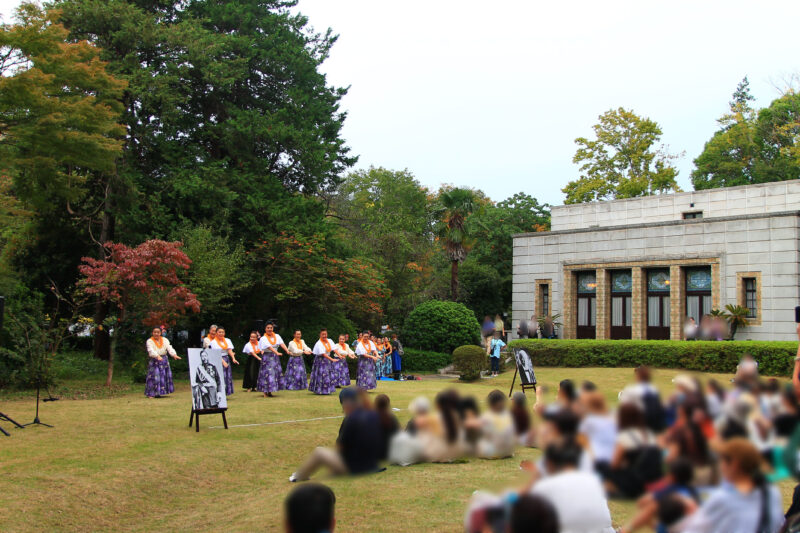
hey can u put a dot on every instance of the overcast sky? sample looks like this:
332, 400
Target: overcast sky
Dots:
492, 94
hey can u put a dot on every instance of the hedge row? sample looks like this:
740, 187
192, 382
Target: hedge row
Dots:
774, 358
425, 360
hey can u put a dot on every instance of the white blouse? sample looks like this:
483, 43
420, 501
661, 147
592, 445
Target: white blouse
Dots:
344, 349
320, 349
365, 348
248, 348
154, 352
264, 344
206, 341
214, 345
294, 350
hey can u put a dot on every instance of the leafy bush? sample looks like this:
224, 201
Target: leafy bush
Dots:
469, 361
774, 358
440, 326
311, 325
425, 360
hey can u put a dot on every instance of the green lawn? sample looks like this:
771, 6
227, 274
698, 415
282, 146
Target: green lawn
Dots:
125, 462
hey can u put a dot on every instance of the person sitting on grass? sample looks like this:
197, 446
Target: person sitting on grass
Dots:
358, 445
497, 437
310, 509
523, 424
496, 347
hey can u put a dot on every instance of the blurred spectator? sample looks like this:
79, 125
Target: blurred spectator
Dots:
522, 419
497, 346
487, 332
689, 329
358, 444
646, 396
497, 438
310, 509
405, 448
548, 328
715, 398
500, 326
685, 439
533, 514
471, 421
527, 328
599, 428
388, 424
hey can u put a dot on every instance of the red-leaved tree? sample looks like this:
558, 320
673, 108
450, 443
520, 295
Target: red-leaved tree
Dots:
142, 284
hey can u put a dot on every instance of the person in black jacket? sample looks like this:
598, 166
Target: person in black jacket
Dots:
358, 446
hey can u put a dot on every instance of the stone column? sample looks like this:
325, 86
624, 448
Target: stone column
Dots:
716, 288
638, 303
677, 297
570, 295
603, 301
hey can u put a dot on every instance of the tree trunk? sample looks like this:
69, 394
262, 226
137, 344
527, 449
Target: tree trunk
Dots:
113, 348
734, 327
454, 281
102, 338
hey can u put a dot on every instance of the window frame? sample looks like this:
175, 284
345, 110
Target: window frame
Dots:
742, 295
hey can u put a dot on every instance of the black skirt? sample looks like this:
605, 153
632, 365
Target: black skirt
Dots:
251, 369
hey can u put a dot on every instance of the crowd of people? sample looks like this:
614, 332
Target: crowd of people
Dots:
711, 328
378, 357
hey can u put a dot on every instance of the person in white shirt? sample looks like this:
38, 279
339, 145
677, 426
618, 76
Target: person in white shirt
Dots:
578, 496
253, 364
295, 377
270, 377
344, 352
221, 342
599, 427
212, 334
159, 379
322, 373
367, 354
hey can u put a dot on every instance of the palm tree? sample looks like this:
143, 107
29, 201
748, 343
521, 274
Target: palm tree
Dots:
457, 205
737, 317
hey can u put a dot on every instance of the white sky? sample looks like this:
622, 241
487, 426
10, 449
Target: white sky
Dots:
493, 94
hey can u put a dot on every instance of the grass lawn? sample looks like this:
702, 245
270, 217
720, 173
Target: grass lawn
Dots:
126, 462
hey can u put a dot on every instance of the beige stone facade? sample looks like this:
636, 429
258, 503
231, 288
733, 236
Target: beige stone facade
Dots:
744, 248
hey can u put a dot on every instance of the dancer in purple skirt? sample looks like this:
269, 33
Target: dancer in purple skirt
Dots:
323, 378
159, 381
343, 351
295, 376
367, 356
221, 342
270, 377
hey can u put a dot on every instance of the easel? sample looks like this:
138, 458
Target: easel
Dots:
523, 385
195, 416
4, 417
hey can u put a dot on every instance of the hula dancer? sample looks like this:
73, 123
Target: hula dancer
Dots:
295, 377
344, 351
270, 376
212, 334
397, 356
367, 355
253, 364
387, 358
159, 378
223, 343
322, 373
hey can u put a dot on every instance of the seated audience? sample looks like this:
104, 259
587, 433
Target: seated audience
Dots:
599, 428
310, 509
523, 426
497, 429
388, 424
358, 444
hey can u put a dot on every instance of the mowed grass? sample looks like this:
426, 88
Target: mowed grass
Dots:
129, 463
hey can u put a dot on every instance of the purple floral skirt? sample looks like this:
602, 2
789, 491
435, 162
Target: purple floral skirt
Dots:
295, 376
270, 377
159, 378
343, 373
228, 372
366, 374
323, 376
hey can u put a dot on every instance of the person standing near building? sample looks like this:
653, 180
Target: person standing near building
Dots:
500, 326
487, 330
497, 345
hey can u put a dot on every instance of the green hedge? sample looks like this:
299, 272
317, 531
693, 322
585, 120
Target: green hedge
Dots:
469, 361
425, 360
774, 358
440, 325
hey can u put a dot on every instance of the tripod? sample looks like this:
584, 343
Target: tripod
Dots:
7, 418
36, 421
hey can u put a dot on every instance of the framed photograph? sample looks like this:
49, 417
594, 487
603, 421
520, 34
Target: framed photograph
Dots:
524, 367
208, 383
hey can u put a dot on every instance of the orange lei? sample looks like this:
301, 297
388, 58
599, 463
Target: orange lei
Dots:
271, 339
367, 348
254, 346
223, 344
159, 343
299, 345
326, 344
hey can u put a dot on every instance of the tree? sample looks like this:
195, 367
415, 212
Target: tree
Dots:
456, 205
751, 146
142, 284
622, 162
387, 217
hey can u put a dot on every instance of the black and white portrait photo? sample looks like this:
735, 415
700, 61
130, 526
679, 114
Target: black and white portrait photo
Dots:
525, 367
208, 382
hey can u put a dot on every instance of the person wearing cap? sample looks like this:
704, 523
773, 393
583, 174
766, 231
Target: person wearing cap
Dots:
744, 502
357, 447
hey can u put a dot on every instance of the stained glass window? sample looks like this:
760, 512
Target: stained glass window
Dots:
658, 280
587, 283
621, 281
698, 279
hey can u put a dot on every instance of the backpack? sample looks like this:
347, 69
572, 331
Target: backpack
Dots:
654, 413
648, 465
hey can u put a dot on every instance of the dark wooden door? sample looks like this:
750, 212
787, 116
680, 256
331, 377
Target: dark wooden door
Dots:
621, 316
587, 315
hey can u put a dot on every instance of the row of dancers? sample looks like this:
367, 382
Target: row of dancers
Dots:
263, 372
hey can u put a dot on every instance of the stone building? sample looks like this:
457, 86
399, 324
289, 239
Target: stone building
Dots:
636, 268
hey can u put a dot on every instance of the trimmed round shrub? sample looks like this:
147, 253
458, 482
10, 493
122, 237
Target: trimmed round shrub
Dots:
469, 361
440, 326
